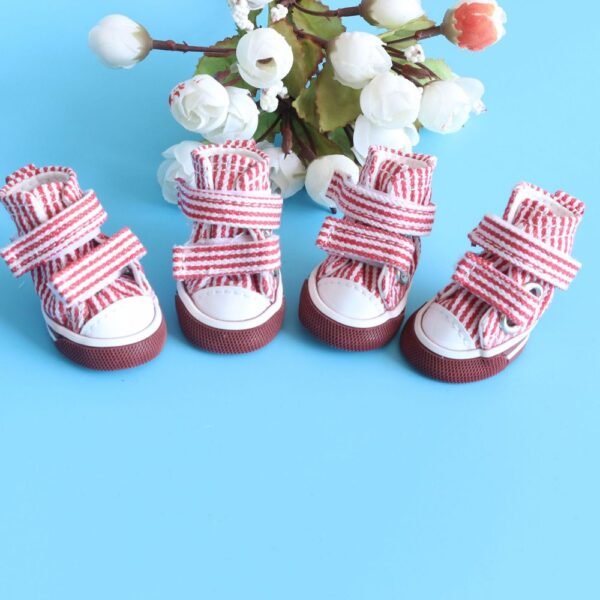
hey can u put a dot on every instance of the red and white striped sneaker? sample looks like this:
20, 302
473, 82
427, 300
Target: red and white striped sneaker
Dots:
229, 289
482, 321
99, 309
355, 300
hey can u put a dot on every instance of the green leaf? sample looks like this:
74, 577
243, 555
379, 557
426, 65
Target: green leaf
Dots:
311, 137
340, 137
307, 57
408, 30
439, 67
305, 104
220, 67
337, 105
325, 27
269, 125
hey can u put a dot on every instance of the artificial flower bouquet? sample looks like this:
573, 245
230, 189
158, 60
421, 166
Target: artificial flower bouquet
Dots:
293, 75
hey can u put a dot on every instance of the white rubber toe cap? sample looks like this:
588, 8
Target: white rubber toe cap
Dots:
445, 330
229, 303
349, 299
124, 318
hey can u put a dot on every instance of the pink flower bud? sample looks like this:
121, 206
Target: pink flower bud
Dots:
475, 24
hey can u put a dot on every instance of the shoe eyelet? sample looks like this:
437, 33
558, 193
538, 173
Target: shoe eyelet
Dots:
508, 327
534, 288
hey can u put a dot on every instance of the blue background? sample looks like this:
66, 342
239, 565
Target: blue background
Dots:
298, 472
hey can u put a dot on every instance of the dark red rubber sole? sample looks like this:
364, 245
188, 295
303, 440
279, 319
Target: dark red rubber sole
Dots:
223, 341
343, 337
114, 358
448, 370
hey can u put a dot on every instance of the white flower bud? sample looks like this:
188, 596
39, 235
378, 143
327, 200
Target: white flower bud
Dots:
269, 101
391, 14
447, 105
367, 134
241, 121
357, 58
391, 100
120, 42
279, 12
177, 165
415, 54
287, 171
264, 58
319, 174
200, 104
240, 12
257, 4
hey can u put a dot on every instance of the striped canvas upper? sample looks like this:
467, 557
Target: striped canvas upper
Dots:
77, 271
505, 289
234, 214
377, 243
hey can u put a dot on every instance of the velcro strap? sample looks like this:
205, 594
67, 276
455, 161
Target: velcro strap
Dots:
357, 241
481, 278
249, 210
227, 257
72, 227
380, 210
525, 251
97, 269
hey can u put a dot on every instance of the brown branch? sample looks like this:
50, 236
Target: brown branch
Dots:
172, 46
351, 11
424, 34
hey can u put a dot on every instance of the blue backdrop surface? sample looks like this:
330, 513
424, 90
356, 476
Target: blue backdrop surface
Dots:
298, 472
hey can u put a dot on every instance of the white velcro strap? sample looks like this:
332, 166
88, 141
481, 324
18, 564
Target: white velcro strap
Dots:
227, 257
250, 210
525, 251
97, 269
354, 240
482, 279
72, 227
380, 210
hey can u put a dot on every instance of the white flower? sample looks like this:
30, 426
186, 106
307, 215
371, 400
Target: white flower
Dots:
367, 134
241, 121
119, 42
319, 174
447, 105
279, 12
177, 165
287, 171
240, 12
200, 104
269, 98
391, 100
264, 58
257, 4
391, 14
357, 58
415, 53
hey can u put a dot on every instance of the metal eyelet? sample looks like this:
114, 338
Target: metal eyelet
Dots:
510, 328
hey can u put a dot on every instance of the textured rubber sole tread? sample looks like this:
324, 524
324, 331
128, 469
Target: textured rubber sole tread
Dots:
114, 358
224, 341
444, 369
343, 337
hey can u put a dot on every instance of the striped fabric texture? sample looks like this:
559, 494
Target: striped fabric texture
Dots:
505, 289
77, 271
234, 214
377, 242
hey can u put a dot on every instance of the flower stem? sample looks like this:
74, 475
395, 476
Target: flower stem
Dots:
351, 11
172, 46
309, 36
424, 34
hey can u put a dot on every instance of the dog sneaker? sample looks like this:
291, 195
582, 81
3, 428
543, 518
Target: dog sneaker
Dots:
482, 321
98, 306
229, 289
355, 299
